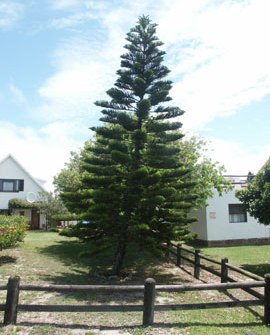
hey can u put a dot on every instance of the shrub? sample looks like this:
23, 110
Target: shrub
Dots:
66, 232
53, 230
12, 230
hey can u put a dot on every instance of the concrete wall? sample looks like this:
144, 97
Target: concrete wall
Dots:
215, 225
199, 227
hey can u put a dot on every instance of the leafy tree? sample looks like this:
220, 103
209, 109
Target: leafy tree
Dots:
207, 174
68, 179
68, 182
256, 196
137, 182
52, 206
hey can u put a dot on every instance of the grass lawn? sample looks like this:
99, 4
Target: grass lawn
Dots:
53, 259
255, 258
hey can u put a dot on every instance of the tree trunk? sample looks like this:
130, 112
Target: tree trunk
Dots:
119, 257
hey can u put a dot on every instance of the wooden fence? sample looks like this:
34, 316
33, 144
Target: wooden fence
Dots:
196, 258
13, 288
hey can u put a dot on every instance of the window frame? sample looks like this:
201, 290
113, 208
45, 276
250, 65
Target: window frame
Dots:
235, 212
17, 185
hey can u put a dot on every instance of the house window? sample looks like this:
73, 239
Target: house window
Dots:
237, 213
8, 186
11, 185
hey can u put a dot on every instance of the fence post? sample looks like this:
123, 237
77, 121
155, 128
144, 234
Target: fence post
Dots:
197, 263
178, 255
149, 301
267, 299
12, 300
224, 270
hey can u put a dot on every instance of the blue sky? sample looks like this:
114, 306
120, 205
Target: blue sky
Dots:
58, 57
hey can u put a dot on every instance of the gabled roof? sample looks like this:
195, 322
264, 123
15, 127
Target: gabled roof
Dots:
9, 156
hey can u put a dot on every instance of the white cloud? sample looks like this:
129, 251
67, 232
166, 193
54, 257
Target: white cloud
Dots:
10, 13
238, 158
70, 21
16, 94
65, 4
81, 79
218, 56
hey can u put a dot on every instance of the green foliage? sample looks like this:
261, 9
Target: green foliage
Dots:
68, 183
52, 206
68, 179
65, 232
208, 174
256, 197
12, 230
20, 203
53, 230
65, 217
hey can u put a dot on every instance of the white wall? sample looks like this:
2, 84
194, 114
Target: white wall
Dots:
10, 170
199, 227
216, 226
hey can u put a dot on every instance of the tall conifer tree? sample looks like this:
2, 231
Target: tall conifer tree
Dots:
136, 187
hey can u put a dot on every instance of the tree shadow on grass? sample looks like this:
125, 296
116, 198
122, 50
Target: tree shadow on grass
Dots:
258, 269
84, 259
87, 267
7, 260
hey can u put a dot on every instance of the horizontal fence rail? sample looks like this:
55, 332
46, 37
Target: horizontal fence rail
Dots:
80, 308
177, 250
196, 258
149, 290
83, 288
207, 305
244, 272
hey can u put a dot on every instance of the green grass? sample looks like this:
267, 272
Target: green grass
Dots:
53, 259
255, 258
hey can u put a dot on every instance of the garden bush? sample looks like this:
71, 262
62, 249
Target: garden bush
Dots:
12, 230
53, 230
66, 232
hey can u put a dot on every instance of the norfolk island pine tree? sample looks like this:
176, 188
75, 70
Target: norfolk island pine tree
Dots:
135, 186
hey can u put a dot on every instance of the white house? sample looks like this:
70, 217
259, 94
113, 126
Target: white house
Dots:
225, 222
17, 183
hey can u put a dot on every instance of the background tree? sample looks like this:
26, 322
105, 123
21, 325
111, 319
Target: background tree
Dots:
68, 179
256, 197
53, 207
68, 183
207, 173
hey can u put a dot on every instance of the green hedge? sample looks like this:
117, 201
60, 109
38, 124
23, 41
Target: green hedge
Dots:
19, 203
